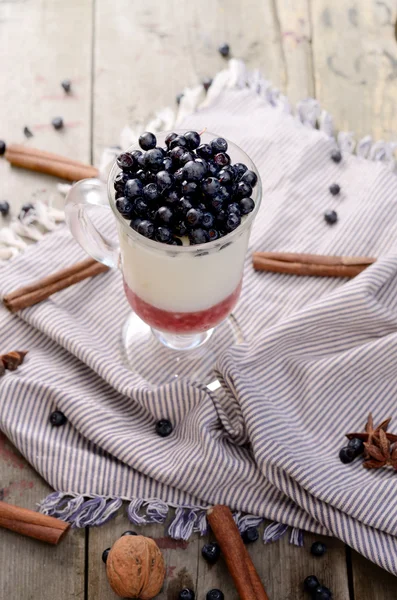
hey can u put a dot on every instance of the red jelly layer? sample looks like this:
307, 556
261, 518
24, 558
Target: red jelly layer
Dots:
182, 322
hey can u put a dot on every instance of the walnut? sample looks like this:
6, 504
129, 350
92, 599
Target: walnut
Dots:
135, 567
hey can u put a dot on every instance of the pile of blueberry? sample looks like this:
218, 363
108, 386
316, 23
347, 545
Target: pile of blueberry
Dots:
186, 190
354, 448
316, 590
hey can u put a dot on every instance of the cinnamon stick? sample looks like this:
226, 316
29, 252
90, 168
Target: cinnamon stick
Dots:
28, 151
238, 560
44, 288
63, 170
33, 524
311, 264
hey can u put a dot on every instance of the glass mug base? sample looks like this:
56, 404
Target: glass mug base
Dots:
161, 357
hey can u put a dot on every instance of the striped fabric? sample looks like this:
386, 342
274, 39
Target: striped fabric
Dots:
318, 355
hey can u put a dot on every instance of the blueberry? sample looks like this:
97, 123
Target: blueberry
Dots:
224, 50
198, 236
221, 216
347, 455
147, 141
330, 217
193, 139
164, 428
217, 203
239, 169
193, 217
207, 220
57, 418
334, 189
221, 159
176, 241
204, 151
171, 197
226, 176
105, 555
183, 206
120, 181
57, 122
215, 595
322, 593
167, 163
247, 205
190, 188
233, 207
164, 215
154, 159
119, 194
186, 594
180, 228
2, 147
250, 535
27, 132
143, 176
213, 168
133, 188
211, 552
67, 85
336, 156
165, 181
163, 234
204, 163
311, 583
169, 138
4, 208
180, 140
125, 207
129, 532
213, 234
126, 161
178, 98
356, 445
146, 228
151, 192
176, 153
207, 82
135, 223
139, 158
187, 157
140, 207
210, 186
250, 177
244, 190
318, 549
193, 171
218, 145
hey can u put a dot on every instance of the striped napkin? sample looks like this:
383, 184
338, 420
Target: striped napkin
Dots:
318, 356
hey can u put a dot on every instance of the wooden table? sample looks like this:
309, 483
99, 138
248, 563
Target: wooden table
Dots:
127, 58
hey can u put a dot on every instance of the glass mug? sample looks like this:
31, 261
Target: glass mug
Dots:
181, 293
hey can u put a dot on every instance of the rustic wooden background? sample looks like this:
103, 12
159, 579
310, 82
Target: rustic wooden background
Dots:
126, 58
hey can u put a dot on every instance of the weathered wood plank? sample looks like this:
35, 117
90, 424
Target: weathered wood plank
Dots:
370, 581
42, 44
31, 569
355, 58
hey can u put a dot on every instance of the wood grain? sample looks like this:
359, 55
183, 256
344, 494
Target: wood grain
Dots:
370, 581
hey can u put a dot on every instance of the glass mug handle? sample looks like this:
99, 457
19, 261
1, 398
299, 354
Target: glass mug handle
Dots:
83, 195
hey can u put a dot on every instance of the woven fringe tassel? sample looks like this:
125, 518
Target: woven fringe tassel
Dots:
244, 522
296, 537
274, 532
142, 512
182, 526
78, 511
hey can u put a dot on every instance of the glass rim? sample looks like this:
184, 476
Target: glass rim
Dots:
207, 246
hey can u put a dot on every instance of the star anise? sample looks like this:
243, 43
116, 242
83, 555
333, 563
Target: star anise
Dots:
371, 434
378, 453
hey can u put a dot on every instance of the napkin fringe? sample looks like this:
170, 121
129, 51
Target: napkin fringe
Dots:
84, 511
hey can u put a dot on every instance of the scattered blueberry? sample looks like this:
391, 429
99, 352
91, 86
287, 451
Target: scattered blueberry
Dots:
211, 552
129, 532
224, 50
179, 97
164, 428
126, 161
207, 82
3, 147
347, 455
133, 188
125, 207
186, 594
247, 205
198, 236
334, 189
27, 132
105, 555
147, 140
336, 156
318, 549
193, 139
57, 418
311, 583
4, 208
250, 535
57, 123
330, 217
146, 228
322, 593
356, 445
215, 595
67, 85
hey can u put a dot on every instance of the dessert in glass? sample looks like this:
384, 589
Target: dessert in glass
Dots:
183, 205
